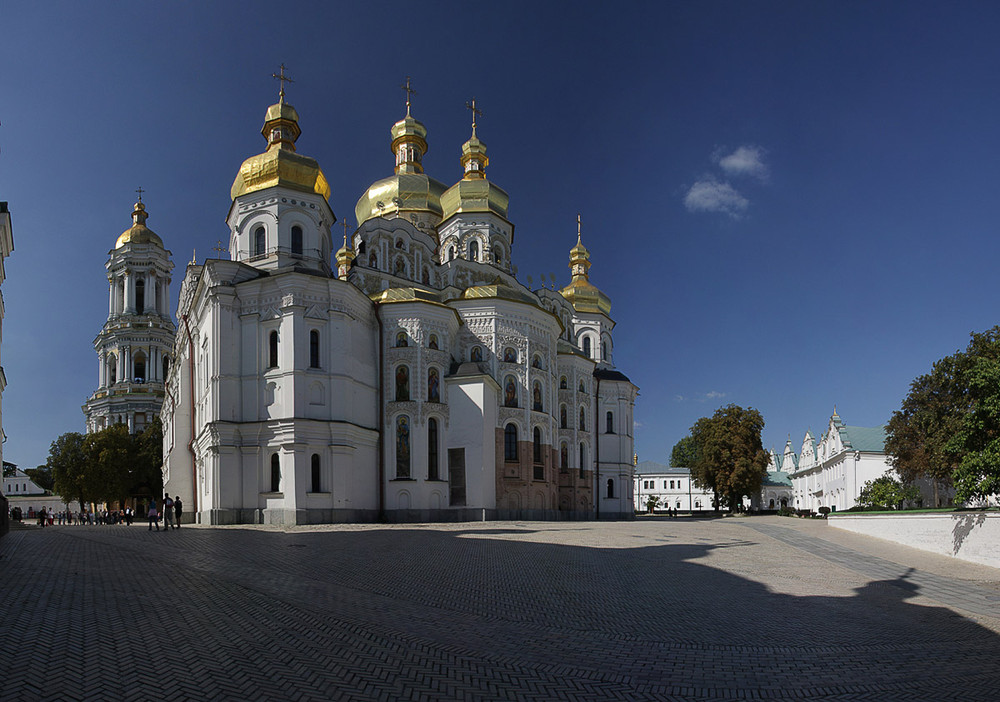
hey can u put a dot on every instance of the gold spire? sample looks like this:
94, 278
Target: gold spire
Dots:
280, 165
138, 233
345, 255
474, 159
581, 293
409, 92
409, 139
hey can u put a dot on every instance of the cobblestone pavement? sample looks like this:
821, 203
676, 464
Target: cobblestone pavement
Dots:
761, 608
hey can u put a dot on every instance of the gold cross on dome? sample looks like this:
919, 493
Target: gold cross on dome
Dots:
345, 225
476, 112
140, 191
218, 247
284, 79
410, 92
578, 227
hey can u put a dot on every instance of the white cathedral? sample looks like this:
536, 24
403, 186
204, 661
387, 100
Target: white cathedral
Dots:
418, 380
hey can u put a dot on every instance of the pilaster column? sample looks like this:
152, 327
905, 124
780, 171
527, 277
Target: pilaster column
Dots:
102, 370
111, 296
129, 306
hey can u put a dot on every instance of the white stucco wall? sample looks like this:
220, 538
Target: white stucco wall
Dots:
970, 536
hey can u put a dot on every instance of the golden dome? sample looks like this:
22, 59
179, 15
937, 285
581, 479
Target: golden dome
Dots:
138, 233
409, 189
581, 293
280, 165
474, 193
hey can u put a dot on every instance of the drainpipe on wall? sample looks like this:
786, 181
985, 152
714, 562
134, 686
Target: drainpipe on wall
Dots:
194, 466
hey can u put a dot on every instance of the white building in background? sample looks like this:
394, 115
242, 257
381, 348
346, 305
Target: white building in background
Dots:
673, 488
418, 380
832, 472
136, 342
18, 484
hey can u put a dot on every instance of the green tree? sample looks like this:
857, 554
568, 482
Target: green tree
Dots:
110, 459
685, 453
887, 492
68, 464
918, 434
42, 476
976, 445
731, 461
652, 502
147, 472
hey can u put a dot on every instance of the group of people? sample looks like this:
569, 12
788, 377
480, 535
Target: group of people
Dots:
172, 509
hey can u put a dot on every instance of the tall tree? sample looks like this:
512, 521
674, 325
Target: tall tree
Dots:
685, 453
41, 476
111, 457
731, 460
918, 434
68, 463
977, 442
147, 473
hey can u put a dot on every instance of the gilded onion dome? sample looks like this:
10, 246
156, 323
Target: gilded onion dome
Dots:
280, 165
581, 293
138, 233
409, 189
474, 193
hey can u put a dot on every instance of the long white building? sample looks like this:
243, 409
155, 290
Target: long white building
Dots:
417, 379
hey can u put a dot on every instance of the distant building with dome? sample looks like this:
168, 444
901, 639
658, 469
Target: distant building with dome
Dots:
416, 379
135, 344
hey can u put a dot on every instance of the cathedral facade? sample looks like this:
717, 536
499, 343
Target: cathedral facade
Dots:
135, 344
408, 376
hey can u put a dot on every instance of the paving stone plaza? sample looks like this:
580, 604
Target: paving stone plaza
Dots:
736, 608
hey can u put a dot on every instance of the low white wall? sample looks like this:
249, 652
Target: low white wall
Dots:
971, 536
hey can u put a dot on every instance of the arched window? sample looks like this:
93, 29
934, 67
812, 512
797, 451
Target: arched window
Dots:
112, 370
510, 392
563, 458
313, 348
259, 242
473, 250
432, 449
562, 417
139, 368
611, 487
297, 244
497, 255
536, 397
583, 459
583, 388
537, 445
400, 244
451, 253
316, 486
611, 423
510, 442
140, 296
433, 343
275, 473
477, 354
433, 385
401, 340
166, 367
583, 420
402, 384
402, 446
372, 260
536, 361
272, 350
604, 351
562, 383
586, 345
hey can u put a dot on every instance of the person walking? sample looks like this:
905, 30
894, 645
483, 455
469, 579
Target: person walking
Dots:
168, 512
153, 515
178, 508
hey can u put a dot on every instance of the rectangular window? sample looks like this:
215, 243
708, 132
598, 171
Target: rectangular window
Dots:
456, 477
539, 472
671, 484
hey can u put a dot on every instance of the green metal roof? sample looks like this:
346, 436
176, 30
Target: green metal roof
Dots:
871, 439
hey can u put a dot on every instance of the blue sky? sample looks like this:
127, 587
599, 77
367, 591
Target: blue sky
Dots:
791, 205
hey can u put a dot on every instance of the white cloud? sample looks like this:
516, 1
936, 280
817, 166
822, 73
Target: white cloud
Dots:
711, 195
745, 161
714, 395
701, 397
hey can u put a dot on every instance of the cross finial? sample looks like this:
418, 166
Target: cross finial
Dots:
578, 228
345, 225
410, 92
476, 112
218, 247
140, 191
284, 79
